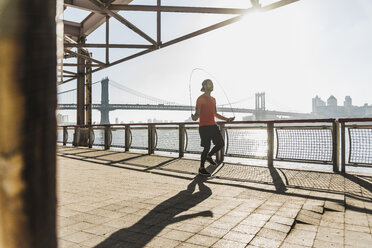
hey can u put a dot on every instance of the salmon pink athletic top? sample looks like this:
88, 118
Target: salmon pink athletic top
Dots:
207, 106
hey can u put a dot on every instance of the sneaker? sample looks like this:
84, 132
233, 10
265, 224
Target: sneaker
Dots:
211, 161
204, 172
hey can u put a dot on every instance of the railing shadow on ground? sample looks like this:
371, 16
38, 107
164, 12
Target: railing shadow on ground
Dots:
149, 226
277, 180
359, 180
279, 188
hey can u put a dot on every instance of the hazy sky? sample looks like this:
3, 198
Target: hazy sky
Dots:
308, 48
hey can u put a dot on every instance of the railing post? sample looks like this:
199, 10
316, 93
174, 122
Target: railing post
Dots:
220, 156
107, 137
270, 144
335, 145
75, 141
151, 138
127, 138
65, 136
343, 148
90, 142
181, 138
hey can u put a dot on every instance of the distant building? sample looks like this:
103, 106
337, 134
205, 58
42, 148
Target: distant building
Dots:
331, 110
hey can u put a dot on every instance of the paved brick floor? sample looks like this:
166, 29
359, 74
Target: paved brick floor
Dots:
116, 199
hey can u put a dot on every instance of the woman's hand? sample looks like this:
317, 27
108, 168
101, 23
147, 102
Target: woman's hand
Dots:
230, 119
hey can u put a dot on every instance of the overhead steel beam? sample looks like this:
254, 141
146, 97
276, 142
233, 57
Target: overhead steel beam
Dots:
72, 64
84, 5
98, 45
70, 72
126, 59
227, 22
83, 56
72, 28
95, 19
123, 21
179, 9
68, 80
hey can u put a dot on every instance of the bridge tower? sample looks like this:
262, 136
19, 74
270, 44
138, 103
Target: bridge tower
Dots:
105, 108
260, 106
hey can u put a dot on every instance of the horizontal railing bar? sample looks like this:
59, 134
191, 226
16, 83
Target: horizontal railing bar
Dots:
303, 161
117, 146
139, 147
245, 156
359, 165
359, 126
304, 127
250, 127
165, 150
167, 128
220, 122
355, 120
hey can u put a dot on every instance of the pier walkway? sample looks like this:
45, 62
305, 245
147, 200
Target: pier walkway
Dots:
121, 199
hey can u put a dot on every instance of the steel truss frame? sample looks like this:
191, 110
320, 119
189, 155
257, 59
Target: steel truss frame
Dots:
102, 11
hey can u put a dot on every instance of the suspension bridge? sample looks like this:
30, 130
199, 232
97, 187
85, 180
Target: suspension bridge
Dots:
135, 100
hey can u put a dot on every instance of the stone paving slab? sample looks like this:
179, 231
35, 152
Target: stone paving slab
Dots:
108, 201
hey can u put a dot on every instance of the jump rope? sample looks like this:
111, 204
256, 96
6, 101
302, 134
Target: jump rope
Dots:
214, 80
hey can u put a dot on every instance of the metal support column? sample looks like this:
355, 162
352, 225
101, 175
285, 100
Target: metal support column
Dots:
343, 153
107, 38
270, 144
335, 145
88, 92
65, 133
80, 107
151, 138
127, 138
220, 156
107, 137
181, 139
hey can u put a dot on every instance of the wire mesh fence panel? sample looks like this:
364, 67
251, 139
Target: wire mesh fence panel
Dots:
99, 137
360, 145
60, 135
118, 137
193, 141
304, 144
251, 143
167, 139
70, 135
139, 138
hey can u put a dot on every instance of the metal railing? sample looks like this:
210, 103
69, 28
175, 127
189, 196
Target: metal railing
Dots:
356, 146
305, 141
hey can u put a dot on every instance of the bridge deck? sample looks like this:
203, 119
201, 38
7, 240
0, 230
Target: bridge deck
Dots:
117, 199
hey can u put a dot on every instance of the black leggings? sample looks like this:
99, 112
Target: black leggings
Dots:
208, 134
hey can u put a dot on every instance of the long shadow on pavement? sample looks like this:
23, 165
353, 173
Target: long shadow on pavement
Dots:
148, 227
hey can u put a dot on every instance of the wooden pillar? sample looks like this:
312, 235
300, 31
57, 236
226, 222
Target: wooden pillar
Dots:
28, 124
